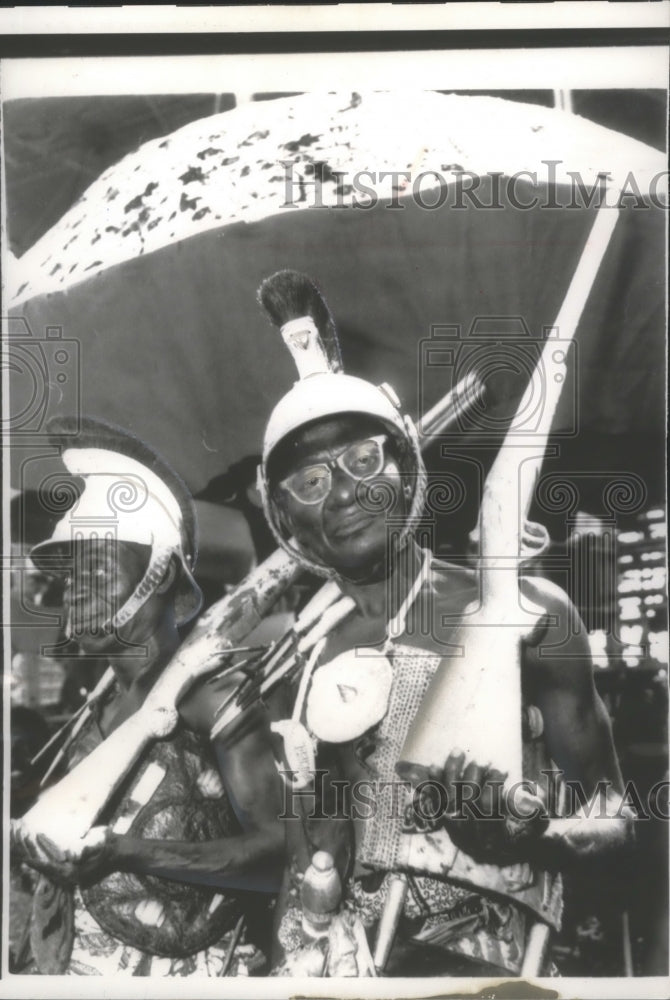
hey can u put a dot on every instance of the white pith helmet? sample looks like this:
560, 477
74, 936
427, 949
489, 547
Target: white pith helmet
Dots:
326, 395
131, 495
323, 390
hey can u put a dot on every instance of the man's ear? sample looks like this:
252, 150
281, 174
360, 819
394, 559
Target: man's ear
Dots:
169, 578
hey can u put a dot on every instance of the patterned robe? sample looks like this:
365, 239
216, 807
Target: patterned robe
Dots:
141, 924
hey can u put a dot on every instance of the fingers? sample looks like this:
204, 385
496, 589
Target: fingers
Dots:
527, 805
56, 862
95, 841
478, 791
49, 850
25, 847
484, 818
16, 836
471, 782
435, 773
523, 803
474, 774
527, 813
27, 843
491, 798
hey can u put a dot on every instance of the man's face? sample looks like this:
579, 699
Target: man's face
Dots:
103, 576
347, 529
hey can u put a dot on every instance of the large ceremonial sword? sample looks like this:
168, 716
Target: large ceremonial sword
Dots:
474, 699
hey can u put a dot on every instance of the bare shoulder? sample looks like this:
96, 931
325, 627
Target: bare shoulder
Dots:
458, 582
546, 594
559, 657
199, 707
456, 585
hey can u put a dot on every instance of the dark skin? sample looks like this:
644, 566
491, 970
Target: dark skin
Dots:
347, 531
103, 579
556, 668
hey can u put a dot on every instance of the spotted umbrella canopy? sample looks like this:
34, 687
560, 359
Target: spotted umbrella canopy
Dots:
150, 278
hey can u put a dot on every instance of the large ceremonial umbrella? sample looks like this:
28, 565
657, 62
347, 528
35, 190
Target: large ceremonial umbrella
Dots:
149, 280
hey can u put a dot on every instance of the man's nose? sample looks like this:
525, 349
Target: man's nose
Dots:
343, 488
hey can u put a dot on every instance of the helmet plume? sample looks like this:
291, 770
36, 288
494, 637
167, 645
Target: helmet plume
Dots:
288, 297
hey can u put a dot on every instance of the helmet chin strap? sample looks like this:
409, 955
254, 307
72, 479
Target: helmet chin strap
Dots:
310, 565
421, 478
155, 573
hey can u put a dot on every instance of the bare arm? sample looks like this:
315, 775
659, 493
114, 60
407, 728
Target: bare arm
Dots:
312, 824
252, 859
579, 738
558, 678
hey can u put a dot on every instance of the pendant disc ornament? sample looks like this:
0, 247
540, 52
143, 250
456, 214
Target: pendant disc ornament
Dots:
349, 695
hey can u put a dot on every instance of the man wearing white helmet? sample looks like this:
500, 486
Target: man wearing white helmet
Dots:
343, 483
194, 821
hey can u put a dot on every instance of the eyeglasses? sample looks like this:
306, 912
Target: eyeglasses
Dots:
361, 460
